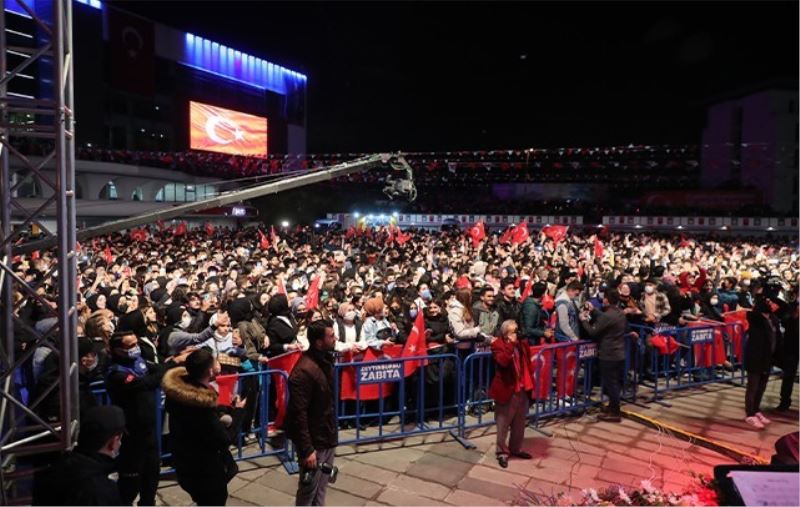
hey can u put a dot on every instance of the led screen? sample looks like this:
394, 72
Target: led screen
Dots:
226, 131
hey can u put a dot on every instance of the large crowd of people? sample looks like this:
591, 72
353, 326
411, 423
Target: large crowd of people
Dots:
146, 307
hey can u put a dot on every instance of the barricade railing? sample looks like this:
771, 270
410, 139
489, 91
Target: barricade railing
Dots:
562, 383
701, 353
393, 398
265, 445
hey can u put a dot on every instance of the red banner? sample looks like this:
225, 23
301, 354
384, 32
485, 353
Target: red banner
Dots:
131, 41
285, 362
225, 385
366, 392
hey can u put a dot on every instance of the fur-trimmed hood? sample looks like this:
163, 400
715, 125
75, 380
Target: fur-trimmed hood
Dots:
177, 388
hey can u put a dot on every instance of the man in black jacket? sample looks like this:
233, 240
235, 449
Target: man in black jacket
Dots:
201, 441
132, 383
608, 328
81, 477
508, 308
312, 413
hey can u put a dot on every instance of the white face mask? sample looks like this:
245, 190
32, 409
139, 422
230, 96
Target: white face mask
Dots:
649, 289
714, 301
350, 316
92, 366
185, 321
223, 338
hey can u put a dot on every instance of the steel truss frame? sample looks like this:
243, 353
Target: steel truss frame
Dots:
22, 431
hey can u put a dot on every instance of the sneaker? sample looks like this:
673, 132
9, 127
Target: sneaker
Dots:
763, 419
754, 422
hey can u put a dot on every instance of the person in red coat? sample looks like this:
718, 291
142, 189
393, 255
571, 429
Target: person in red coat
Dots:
510, 389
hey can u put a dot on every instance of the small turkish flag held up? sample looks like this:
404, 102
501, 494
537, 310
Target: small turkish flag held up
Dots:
555, 232
226, 385
598, 248
107, 254
416, 344
263, 242
209, 229
312, 297
477, 233
520, 234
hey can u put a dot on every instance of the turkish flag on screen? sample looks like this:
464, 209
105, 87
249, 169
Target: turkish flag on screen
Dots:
226, 131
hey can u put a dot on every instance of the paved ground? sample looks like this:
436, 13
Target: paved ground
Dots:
581, 453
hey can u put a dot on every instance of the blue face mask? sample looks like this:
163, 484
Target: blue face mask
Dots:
135, 353
426, 295
413, 314
390, 286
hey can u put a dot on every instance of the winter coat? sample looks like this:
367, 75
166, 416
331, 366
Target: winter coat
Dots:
506, 373
530, 320
311, 418
462, 329
77, 478
761, 342
200, 442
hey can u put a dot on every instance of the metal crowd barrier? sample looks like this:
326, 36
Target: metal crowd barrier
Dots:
377, 401
382, 403
563, 384
706, 353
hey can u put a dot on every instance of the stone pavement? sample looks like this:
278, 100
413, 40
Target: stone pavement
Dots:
581, 453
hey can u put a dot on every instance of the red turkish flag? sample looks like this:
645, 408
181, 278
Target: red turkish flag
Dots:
736, 332
527, 290
160, 225
507, 235
351, 231
281, 286
567, 358
521, 234
347, 389
555, 232
598, 248
225, 385
107, 254
548, 303
541, 371
402, 238
312, 297
416, 344
180, 229
209, 229
273, 237
285, 362
477, 232
34, 255
263, 242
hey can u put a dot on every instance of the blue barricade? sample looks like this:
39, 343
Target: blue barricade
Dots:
563, 383
700, 354
378, 401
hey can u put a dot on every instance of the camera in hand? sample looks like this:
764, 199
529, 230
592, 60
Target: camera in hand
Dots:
325, 468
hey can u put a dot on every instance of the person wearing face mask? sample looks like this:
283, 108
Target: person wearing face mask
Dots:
424, 296
49, 408
348, 330
131, 382
81, 477
201, 440
710, 307
174, 338
377, 330
654, 303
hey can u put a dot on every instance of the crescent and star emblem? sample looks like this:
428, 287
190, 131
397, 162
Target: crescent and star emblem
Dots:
217, 125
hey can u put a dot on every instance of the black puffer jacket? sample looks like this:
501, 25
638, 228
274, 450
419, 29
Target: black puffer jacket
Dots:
200, 441
281, 329
311, 417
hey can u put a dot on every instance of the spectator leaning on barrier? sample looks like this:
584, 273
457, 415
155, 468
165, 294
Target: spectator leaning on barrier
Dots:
508, 307
654, 303
533, 325
567, 310
510, 390
608, 329
81, 477
201, 434
485, 311
312, 414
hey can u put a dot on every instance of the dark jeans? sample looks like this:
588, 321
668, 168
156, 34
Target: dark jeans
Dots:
611, 376
139, 469
205, 489
756, 384
787, 383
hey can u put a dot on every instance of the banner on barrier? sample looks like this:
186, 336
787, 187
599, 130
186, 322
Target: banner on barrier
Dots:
702, 335
587, 351
382, 372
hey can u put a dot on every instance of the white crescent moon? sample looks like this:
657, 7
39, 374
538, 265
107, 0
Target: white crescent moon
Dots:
211, 130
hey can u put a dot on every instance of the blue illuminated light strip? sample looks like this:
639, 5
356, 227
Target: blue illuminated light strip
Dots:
13, 7
214, 58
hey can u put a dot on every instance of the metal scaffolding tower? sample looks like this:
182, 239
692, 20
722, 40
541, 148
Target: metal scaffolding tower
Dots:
50, 123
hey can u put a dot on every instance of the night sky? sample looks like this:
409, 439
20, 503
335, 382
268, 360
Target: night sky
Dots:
449, 75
